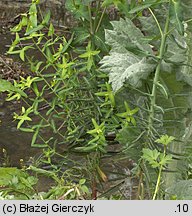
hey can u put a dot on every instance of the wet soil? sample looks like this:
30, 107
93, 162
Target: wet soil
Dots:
17, 144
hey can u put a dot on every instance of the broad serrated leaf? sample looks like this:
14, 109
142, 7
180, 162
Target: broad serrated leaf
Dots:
129, 57
151, 156
165, 159
125, 36
7, 174
126, 67
165, 139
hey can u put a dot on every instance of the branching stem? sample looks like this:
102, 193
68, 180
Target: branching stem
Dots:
154, 17
157, 76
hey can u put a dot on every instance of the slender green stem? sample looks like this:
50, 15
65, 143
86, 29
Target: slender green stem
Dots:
97, 15
100, 20
154, 17
159, 176
43, 118
90, 19
158, 182
46, 59
157, 76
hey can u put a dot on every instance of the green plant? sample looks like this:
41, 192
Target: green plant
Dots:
16, 184
98, 143
70, 107
19, 184
152, 62
157, 159
61, 94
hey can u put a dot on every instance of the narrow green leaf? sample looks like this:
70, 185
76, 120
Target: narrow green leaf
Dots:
38, 28
51, 30
22, 55
7, 86
47, 18
176, 15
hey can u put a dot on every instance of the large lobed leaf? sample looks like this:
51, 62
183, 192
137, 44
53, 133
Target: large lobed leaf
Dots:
178, 57
122, 67
129, 56
7, 173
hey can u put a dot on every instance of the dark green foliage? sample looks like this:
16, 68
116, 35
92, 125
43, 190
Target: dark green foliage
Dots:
180, 190
81, 92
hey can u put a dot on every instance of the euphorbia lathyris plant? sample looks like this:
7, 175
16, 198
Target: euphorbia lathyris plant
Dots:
152, 62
